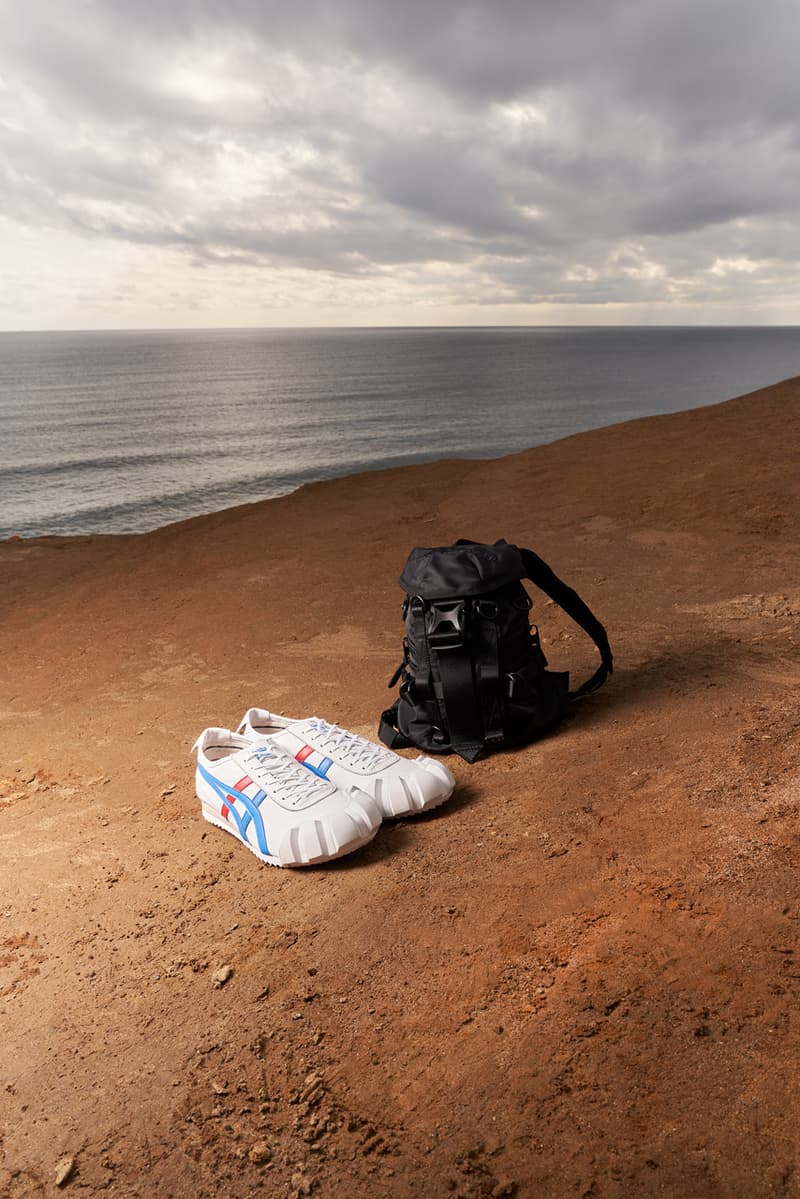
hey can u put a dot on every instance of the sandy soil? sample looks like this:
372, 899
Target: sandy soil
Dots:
579, 978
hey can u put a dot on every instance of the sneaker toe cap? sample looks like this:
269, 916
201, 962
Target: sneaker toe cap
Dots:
331, 834
421, 785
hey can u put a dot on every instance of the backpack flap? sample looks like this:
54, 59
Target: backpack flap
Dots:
466, 568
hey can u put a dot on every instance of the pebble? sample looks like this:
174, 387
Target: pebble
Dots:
301, 1186
260, 1153
64, 1171
221, 976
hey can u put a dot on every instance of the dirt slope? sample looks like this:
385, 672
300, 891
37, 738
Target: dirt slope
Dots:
579, 978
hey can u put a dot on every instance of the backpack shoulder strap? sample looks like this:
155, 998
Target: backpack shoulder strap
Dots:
388, 731
547, 581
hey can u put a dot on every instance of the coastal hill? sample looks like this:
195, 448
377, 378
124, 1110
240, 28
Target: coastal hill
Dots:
580, 977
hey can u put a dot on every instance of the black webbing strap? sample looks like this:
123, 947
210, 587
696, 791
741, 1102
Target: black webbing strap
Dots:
487, 669
461, 711
540, 573
423, 676
462, 717
459, 702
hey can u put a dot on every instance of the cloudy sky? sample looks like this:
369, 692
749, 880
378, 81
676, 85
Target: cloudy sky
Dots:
250, 162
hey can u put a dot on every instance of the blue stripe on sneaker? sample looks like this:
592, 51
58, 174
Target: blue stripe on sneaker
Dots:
250, 806
320, 771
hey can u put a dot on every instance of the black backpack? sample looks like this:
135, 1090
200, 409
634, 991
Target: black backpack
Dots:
473, 675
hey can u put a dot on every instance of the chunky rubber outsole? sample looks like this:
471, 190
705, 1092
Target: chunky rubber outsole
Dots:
307, 843
398, 797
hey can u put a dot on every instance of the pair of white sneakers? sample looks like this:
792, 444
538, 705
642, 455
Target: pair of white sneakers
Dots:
298, 792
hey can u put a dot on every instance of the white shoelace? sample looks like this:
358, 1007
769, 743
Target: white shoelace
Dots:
349, 747
282, 775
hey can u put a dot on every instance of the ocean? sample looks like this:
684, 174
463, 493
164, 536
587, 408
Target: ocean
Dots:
122, 432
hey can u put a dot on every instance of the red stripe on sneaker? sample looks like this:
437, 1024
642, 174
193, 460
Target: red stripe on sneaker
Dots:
303, 753
244, 781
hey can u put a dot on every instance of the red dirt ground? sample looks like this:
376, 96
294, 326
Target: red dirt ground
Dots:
580, 977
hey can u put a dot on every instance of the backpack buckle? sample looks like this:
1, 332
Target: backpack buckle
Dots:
445, 625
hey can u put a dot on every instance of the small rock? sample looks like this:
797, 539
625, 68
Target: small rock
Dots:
301, 1186
64, 1171
505, 1186
218, 1088
260, 1153
312, 1088
221, 976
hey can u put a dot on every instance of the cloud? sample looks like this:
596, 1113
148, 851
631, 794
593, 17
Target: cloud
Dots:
516, 156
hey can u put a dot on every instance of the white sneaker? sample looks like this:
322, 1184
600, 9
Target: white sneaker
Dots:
283, 814
400, 787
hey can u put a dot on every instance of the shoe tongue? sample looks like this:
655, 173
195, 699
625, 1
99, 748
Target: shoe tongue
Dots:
308, 726
260, 754
268, 757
